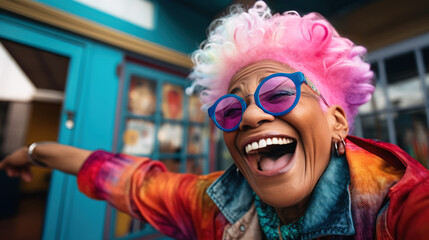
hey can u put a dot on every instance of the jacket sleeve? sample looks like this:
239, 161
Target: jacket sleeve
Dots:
175, 204
413, 219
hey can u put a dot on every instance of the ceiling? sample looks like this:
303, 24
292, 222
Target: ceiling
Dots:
328, 8
371, 23
211, 8
45, 69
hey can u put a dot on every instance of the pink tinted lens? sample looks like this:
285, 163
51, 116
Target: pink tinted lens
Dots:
277, 94
228, 112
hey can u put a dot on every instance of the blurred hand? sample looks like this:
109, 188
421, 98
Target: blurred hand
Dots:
17, 164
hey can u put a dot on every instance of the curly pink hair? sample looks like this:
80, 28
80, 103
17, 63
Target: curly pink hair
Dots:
308, 44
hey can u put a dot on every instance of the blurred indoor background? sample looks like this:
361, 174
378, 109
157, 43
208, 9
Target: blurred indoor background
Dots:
105, 74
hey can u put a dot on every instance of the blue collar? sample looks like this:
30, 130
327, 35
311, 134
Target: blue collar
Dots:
328, 212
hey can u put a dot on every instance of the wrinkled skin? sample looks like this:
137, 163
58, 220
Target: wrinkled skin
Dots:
314, 129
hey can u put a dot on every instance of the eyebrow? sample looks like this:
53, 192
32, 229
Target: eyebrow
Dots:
237, 89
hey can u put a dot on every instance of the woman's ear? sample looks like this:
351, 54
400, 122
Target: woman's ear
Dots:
338, 122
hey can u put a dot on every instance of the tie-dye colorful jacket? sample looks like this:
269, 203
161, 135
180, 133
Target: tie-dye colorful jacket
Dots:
379, 192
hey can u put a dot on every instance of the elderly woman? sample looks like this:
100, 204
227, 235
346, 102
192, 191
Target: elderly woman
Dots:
284, 90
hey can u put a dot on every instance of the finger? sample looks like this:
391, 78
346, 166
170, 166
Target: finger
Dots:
3, 164
27, 176
23, 170
15, 173
9, 172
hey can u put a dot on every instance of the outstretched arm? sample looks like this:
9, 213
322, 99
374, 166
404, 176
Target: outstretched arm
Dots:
57, 156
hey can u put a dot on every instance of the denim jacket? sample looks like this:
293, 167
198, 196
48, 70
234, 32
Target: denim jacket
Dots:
328, 212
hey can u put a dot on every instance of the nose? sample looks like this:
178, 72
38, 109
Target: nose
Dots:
254, 116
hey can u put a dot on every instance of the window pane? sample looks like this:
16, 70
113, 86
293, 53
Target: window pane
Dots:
404, 85
196, 140
172, 101
172, 164
195, 112
123, 224
425, 52
3, 113
377, 101
195, 165
412, 134
170, 138
223, 157
139, 137
375, 127
142, 96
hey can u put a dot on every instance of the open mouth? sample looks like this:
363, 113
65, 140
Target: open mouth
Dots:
270, 156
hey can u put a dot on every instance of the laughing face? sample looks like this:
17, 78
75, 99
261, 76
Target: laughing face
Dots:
282, 157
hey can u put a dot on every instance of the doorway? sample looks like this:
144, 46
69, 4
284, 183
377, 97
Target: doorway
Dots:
33, 85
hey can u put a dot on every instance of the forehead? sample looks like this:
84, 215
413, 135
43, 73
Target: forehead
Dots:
257, 71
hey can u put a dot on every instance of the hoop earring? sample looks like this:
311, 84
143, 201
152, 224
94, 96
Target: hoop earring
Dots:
339, 148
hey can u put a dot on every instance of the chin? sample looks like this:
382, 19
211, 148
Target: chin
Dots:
278, 197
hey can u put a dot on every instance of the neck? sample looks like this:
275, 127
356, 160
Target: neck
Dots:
293, 213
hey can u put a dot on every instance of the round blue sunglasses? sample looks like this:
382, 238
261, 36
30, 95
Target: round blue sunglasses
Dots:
277, 95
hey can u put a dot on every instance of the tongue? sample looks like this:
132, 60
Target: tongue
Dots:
268, 164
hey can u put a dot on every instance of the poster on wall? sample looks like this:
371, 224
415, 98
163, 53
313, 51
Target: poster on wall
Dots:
172, 101
196, 114
195, 140
139, 137
141, 96
170, 138
195, 165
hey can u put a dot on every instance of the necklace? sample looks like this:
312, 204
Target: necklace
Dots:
280, 232
270, 223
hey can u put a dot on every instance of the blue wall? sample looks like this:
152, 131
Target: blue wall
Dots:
92, 94
176, 26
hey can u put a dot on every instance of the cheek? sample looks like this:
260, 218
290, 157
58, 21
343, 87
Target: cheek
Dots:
316, 137
316, 132
229, 139
311, 123
310, 119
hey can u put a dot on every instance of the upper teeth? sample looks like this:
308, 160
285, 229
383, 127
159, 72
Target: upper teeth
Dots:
267, 141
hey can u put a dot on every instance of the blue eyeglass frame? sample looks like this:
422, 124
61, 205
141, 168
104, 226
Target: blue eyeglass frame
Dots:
297, 78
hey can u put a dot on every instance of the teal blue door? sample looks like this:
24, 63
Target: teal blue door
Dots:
63, 194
